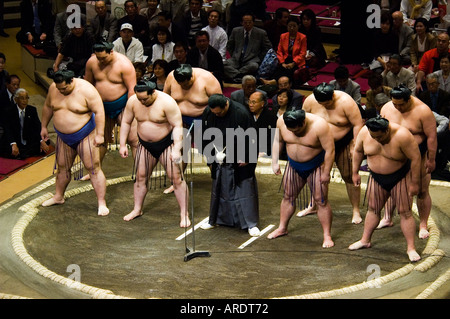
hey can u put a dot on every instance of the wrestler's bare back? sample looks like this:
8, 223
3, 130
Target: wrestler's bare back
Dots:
305, 147
193, 101
336, 114
109, 79
71, 112
152, 121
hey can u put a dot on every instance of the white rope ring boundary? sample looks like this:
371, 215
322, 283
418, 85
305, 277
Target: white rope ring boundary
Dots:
30, 210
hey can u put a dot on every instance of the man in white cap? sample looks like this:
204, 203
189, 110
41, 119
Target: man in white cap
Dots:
128, 45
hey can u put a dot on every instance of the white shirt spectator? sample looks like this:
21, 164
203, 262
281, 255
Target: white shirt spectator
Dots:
134, 52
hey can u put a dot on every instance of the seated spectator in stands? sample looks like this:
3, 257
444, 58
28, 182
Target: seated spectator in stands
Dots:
284, 101
128, 45
180, 51
285, 82
413, 9
139, 23
7, 93
437, 99
430, 59
160, 72
443, 148
175, 8
151, 13
444, 73
141, 70
247, 45
218, 37
404, 33
61, 30
342, 82
163, 48
384, 41
204, 56
77, 46
103, 26
194, 20
36, 22
395, 74
375, 83
239, 8
421, 41
22, 129
248, 87
177, 32
316, 54
264, 119
277, 26
379, 101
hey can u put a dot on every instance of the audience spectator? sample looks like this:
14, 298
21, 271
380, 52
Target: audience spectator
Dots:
204, 56
248, 87
316, 55
139, 23
395, 74
180, 51
430, 59
421, 41
379, 101
413, 9
160, 72
384, 42
141, 70
375, 83
7, 93
128, 45
163, 48
77, 46
342, 82
103, 26
284, 101
194, 20
437, 99
444, 73
23, 129
240, 8
285, 82
218, 37
165, 20
176, 9
151, 13
404, 33
61, 30
36, 22
277, 26
247, 45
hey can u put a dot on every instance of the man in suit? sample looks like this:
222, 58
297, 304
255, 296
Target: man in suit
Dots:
205, 56
7, 94
285, 82
437, 99
247, 45
139, 22
61, 30
36, 21
248, 88
194, 20
103, 26
177, 33
22, 129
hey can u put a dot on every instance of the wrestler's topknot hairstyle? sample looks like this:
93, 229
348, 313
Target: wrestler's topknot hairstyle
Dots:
294, 118
63, 76
183, 73
217, 100
103, 46
323, 92
145, 86
401, 92
378, 123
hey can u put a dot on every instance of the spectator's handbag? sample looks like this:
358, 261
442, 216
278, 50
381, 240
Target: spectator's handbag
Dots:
268, 65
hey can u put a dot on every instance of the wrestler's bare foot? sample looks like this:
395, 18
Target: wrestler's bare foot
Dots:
279, 232
52, 201
103, 210
185, 222
86, 177
132, 215
359, 245
423, 233
413, 256
327, 242
385, 223
357, 219
169, 190
307, 211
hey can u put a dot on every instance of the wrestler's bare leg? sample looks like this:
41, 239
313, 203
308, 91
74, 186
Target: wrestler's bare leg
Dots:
287, 206
90, 156
310, 209
179, 186
354, 194
408, 226
424, 202
65, 158
140, 187
389, 208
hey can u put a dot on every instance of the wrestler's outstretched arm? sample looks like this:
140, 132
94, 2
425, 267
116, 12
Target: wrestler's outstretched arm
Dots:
95, 105
125, 125
410, 148
128, 76
430, 131
47, 113
327, 141
174, 118
358, 156
277, 145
